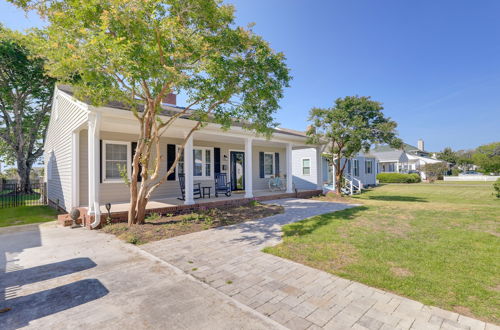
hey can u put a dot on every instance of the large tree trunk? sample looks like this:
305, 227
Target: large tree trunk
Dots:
24, 170
338, 183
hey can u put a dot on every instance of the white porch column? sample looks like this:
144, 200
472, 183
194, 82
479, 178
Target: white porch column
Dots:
75, 168
94, 124
289, 164
248, 168
188, 171
319, 168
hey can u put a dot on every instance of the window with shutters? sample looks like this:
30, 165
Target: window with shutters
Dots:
268, 164
115, 159
356, 167
203, 163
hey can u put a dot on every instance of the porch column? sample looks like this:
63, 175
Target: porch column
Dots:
75, 168
188, 171
289, 164
248, 168
319, 168
94, 123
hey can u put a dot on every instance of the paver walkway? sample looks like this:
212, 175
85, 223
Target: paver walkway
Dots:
299, 297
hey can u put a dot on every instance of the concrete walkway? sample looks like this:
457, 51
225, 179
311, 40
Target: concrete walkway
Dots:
59, 278
298, 297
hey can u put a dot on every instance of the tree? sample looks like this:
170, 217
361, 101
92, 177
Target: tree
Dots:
434, 171
448, 155
487, 157
353, 124
25, 101
464, 159
138, 51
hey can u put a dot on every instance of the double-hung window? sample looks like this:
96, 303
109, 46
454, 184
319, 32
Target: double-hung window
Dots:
116, 160
268, 164
306, 166
368, 166
356, 167
202, 163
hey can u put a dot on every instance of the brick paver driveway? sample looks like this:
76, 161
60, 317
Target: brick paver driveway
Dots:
299, 297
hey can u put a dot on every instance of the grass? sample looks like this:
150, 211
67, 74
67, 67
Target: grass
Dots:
438, 244
23, 215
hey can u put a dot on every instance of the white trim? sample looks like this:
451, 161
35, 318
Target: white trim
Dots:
129, 160
75, 169
267, 176
203, 177
289, 167
302, 166
354, 168
248, 168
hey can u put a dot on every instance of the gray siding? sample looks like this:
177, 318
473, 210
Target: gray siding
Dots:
119, 192
300, 180
58, 149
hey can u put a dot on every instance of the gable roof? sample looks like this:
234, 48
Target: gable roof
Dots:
385, 156
168, 110
385, 148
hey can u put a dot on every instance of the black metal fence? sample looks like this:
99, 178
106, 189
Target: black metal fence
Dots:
11, 195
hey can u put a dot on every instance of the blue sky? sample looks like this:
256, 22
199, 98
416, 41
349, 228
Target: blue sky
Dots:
434, 64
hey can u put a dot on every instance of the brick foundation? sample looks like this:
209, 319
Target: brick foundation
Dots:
116, 217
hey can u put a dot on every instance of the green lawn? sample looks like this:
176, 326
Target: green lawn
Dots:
23, 215
438, 244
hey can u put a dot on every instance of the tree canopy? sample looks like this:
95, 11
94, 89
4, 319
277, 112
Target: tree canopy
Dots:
138, 51
448, 155
25, 102
353, 124
487, 157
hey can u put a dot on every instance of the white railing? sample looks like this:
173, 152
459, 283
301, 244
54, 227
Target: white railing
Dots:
353, 184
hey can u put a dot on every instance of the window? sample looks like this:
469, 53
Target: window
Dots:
349, 166
356, 167
116, 158
268, 164
202, 163
306, 166
368, 166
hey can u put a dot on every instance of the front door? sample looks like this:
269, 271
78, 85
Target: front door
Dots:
237, 165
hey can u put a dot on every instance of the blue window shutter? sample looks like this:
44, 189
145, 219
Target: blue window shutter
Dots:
100, 161
133, 147
277, 163
216, 160
261, 164
171, 153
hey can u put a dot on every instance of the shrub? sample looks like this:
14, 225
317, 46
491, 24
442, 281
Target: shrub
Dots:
398, 178
496, 187
435, 171
455, 171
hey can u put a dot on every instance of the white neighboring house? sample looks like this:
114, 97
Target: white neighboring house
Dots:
85, 146
405, 160
359, 172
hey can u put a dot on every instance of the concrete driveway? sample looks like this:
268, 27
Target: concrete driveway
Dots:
59, 278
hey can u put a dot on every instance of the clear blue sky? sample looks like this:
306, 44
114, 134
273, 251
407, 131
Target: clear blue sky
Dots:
434, 64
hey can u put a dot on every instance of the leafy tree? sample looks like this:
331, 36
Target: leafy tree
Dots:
138, 51
448, 155
464, 159
353, 124
433, 171
487, 157
25, 101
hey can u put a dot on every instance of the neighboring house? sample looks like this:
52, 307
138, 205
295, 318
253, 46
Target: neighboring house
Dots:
360, 169
86, 145
405, 160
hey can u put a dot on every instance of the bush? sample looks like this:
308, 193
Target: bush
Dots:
398, 178
496, 186
455, 172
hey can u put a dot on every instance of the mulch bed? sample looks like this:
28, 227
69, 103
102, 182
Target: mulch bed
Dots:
161, 227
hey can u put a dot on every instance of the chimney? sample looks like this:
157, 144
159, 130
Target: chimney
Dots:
170, 99
420, 145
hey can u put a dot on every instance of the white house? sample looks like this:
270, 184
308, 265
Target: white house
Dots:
86, 145
360, 171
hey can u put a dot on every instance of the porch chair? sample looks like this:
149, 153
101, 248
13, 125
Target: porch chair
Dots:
196, 187
222, 185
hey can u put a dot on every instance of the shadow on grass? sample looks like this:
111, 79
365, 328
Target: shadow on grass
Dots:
307, 226
398, 198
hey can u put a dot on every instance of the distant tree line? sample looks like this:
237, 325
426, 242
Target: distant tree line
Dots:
486, 158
